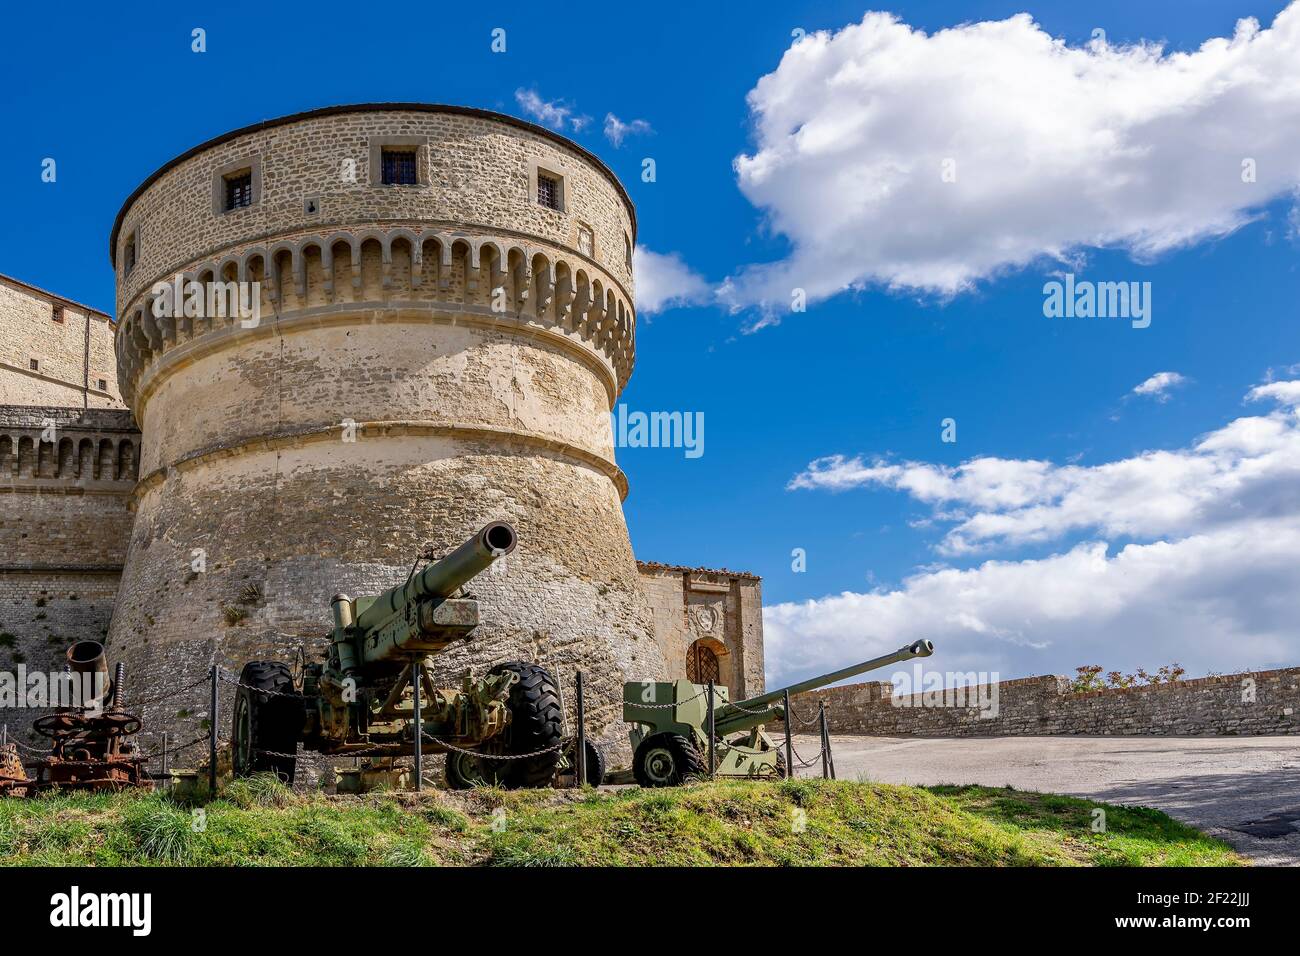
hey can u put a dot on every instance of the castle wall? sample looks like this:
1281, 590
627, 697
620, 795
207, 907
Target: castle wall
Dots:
65, 482
429, 358
72, 356
722, 609
1262, 702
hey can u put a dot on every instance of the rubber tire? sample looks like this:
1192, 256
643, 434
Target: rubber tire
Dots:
459, 776
687, 761
595, 761
274, 722
536, 722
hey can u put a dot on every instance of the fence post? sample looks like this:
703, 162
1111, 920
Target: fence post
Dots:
580, 758
212, 736
417, 671
826, 742
712, 746
789, 745
167, 776
826, 746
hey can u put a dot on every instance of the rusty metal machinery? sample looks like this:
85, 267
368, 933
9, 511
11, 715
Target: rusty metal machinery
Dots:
13, 775
90, 747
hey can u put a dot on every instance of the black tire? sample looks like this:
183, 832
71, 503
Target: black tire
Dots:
463, 771
667, 760
265, 721
595, 761
535, 724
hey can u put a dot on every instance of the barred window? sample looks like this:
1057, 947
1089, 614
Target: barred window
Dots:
129, 250
399, 167
57, 313
548, 191
239, 190
103, 384
34, 364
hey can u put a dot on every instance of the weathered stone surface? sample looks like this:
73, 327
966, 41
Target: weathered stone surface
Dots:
1262, 702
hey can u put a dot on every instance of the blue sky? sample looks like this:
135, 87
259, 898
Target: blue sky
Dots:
867, 372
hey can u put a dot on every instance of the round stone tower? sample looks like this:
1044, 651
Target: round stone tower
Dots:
436, 320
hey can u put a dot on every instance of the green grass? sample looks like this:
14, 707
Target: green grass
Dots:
800, 823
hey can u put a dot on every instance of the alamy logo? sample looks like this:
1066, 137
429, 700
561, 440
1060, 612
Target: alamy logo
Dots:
659, 430
937, 689
208, 300
1099, 300
74, 908
23, 688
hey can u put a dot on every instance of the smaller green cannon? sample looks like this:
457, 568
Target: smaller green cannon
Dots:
670, 733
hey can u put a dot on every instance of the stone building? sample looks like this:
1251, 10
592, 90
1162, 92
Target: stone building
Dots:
437, 318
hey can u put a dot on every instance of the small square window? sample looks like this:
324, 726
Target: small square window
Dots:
34, 364
129, 252
239, 189
586, 241
399, 167
103, 384
548, 191
57, 313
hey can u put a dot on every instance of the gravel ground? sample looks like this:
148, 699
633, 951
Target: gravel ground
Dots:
1244, 790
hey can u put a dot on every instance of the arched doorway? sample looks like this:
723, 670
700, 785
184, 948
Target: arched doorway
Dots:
702, 663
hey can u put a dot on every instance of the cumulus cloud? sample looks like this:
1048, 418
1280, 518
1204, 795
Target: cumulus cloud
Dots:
1249, 467
553, 113
616, 130
664, 281
891, 157
1209, 576
1159, 384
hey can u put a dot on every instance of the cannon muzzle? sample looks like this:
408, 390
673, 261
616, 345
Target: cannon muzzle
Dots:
88, 657
441, 578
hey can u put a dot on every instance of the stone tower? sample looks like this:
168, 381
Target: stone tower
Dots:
446, 319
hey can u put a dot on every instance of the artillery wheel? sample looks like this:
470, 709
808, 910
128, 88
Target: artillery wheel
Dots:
463, 771
264, 721
667, 760
535, 724
595, 761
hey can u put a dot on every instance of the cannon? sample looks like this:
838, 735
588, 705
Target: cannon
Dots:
670, 732
364, 696
90, 745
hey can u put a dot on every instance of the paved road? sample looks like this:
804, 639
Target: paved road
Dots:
1244, 790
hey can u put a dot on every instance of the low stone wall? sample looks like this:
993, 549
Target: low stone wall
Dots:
1262, 702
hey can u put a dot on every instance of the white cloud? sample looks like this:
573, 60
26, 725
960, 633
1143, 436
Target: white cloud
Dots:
1056, 149
1223, 600
1247, 468
1212, 578
665, 281
553, 113
1159, 384
616, 130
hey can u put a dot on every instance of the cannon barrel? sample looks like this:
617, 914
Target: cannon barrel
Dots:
88, 657
915, 649
441, 578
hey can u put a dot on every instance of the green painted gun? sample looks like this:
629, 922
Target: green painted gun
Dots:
361, 698
670, 721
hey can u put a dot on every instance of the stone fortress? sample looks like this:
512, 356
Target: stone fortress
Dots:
442, 316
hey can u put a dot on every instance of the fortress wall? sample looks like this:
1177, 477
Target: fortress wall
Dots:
428, 358
64, 524
1261, 702
72, 355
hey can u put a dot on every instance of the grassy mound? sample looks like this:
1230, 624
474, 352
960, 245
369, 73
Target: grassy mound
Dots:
805, 822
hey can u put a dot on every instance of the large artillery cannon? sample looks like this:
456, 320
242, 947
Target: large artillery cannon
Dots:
670, 733
364, 697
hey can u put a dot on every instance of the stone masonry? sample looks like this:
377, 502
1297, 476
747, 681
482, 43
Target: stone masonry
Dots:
1263, 702
429, 357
